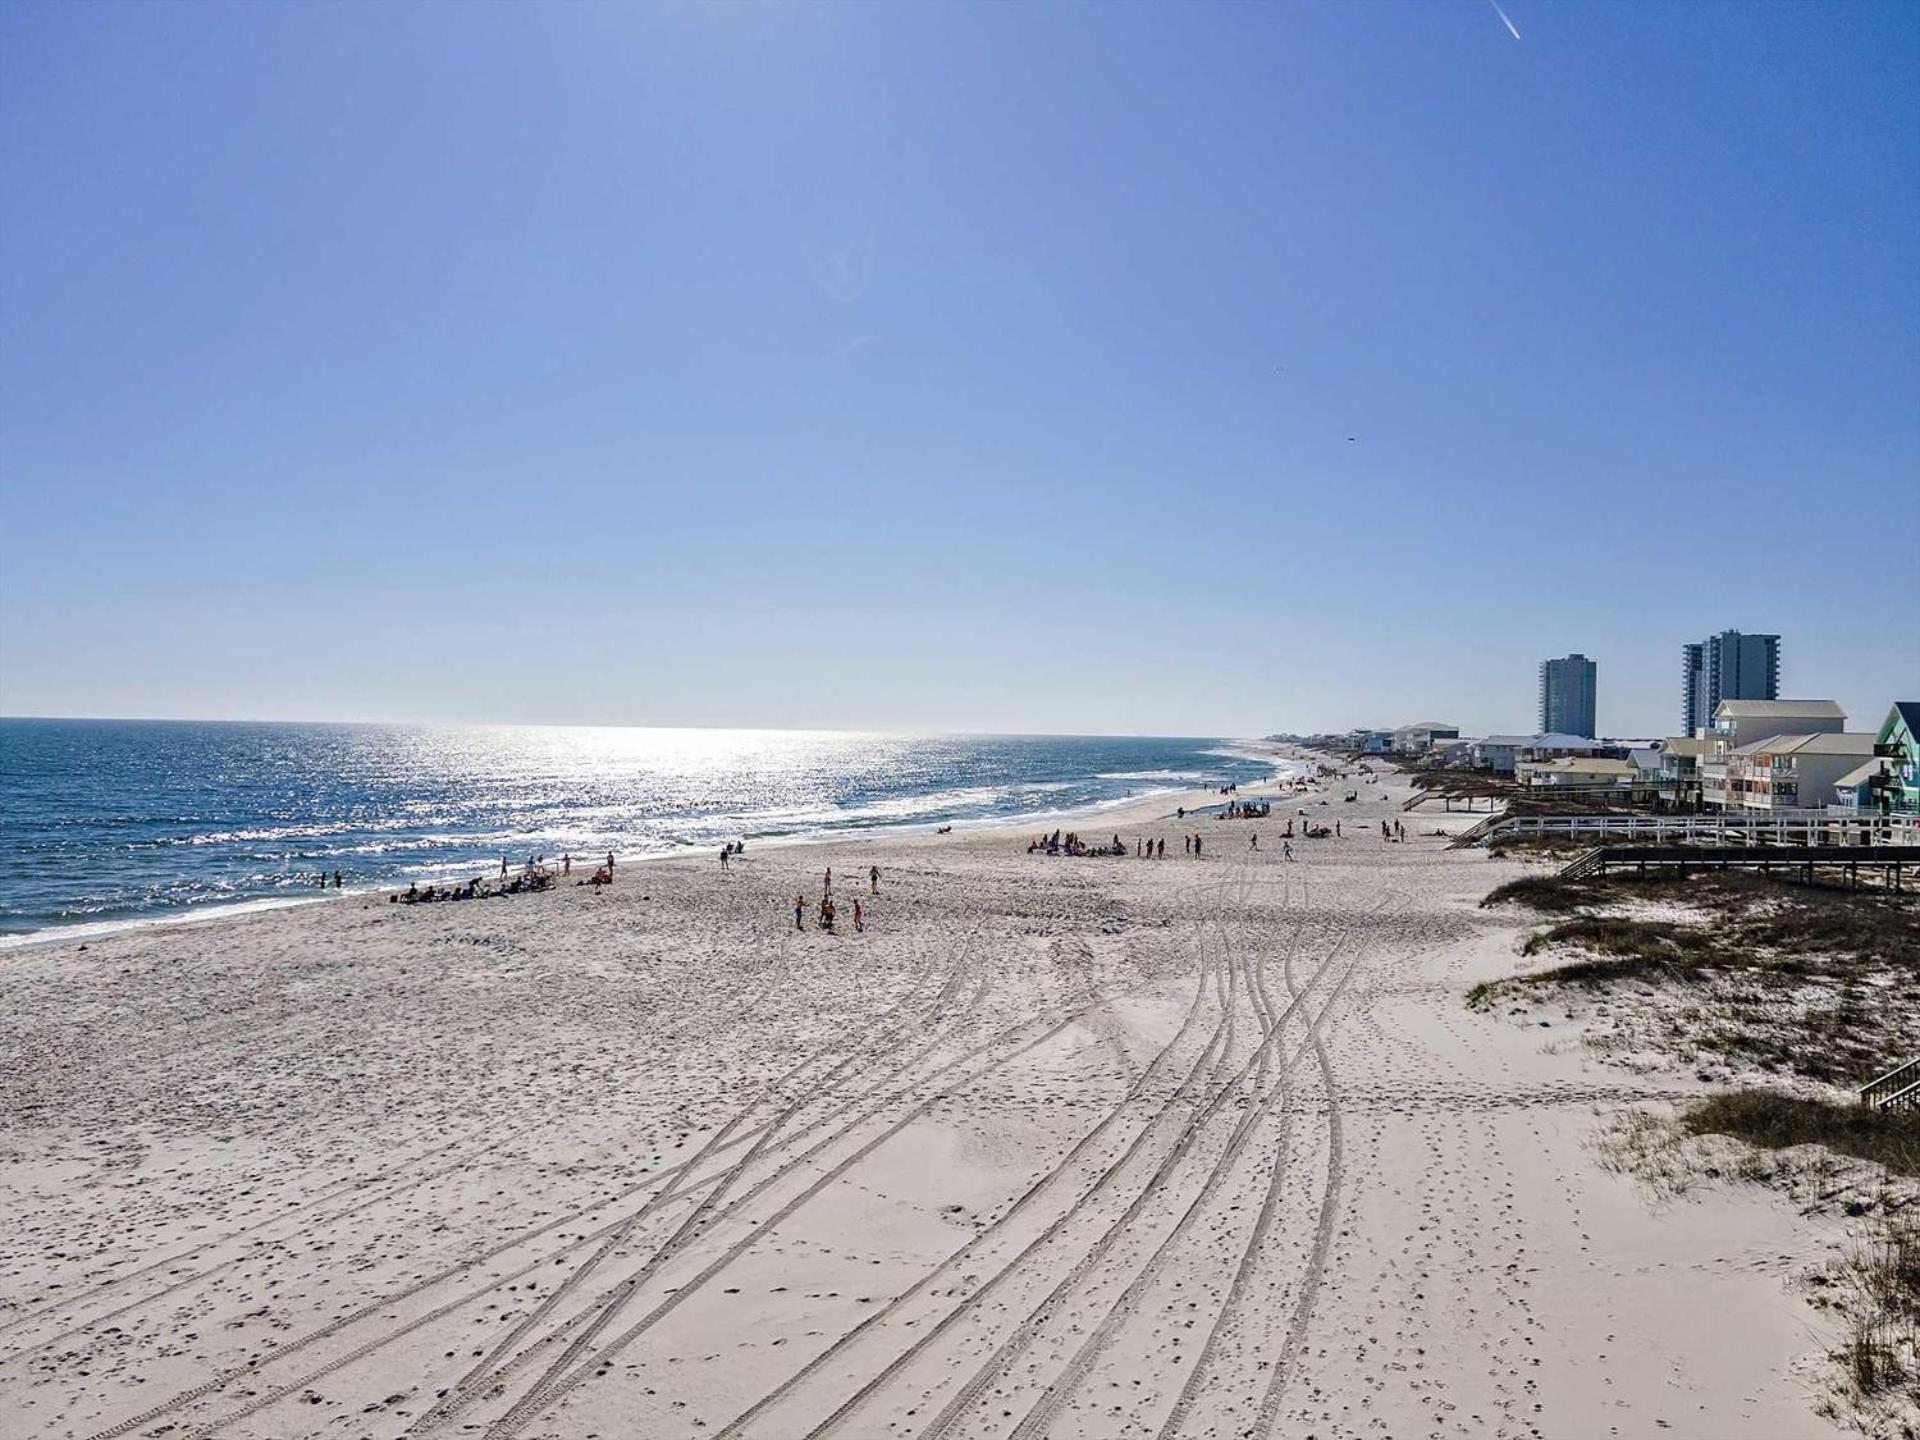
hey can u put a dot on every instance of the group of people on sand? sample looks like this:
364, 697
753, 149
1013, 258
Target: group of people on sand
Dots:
603, 875
731, 849
474, 889
1248, 809
1394, 832
1310, 831
1070, 843
828, 911
534, 875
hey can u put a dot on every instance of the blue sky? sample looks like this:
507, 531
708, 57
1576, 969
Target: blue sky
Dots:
959, 367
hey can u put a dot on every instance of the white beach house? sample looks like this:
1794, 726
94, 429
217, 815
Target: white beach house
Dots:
1742, 722
1792, 772
1500, 753
1583, 770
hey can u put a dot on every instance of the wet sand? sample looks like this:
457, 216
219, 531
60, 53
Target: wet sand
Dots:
1070, 1147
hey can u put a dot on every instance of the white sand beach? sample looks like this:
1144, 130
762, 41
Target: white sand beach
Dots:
1056, 1147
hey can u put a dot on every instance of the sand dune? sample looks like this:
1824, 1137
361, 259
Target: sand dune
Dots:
1056, 1148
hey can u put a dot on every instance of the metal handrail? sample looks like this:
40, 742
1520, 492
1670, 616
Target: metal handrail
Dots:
1908, 1073
1907, 1099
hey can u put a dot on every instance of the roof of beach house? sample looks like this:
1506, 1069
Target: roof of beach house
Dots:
1689, 745
1766, 709
1548, 741
1580, 764
1859, 776
1838, 743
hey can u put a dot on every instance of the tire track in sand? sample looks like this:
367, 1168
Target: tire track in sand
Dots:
385, 1302
531, 1405
1022, 1337
1203, 981
1186, 1092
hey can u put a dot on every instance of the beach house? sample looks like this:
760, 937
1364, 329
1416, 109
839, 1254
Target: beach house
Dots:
1582, 770
1792, 772
1417, 739
1500, 753
1898, 743
1742, 722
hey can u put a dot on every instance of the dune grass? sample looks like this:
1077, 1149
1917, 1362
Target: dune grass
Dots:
1775, 1121
1816, 981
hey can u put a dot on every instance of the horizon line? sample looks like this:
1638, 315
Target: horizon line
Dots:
610, 725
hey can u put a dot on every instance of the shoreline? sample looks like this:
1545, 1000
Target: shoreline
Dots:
88, 931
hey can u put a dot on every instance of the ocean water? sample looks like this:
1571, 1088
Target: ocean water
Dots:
111, 821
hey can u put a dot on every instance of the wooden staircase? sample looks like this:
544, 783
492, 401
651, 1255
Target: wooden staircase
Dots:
1898, 1089
1475, 833
1583, 864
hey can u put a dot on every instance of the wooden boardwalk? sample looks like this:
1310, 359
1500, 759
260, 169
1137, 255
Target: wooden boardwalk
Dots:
1805, 861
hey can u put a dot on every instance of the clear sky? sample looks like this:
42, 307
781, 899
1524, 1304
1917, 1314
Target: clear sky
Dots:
963, 367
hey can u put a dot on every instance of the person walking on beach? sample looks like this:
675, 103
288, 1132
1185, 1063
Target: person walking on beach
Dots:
566, 863
859, 923
1336, 829
609, 864
726, 853
800, 912
503, 867
1196, 847
1286, 849
873, 880
1163, 850
1253, 841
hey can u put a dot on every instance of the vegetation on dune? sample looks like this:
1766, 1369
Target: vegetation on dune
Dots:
1819, 982
1775, 1121
1875, 1287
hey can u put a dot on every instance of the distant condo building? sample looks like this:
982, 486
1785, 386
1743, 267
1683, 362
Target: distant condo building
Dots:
1727, 666
1567, 688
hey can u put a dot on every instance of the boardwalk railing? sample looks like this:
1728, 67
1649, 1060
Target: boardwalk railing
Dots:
1807, 827
1898, 1089
1893, 861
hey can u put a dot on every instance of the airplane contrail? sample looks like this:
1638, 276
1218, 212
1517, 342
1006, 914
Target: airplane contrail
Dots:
1503, 18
